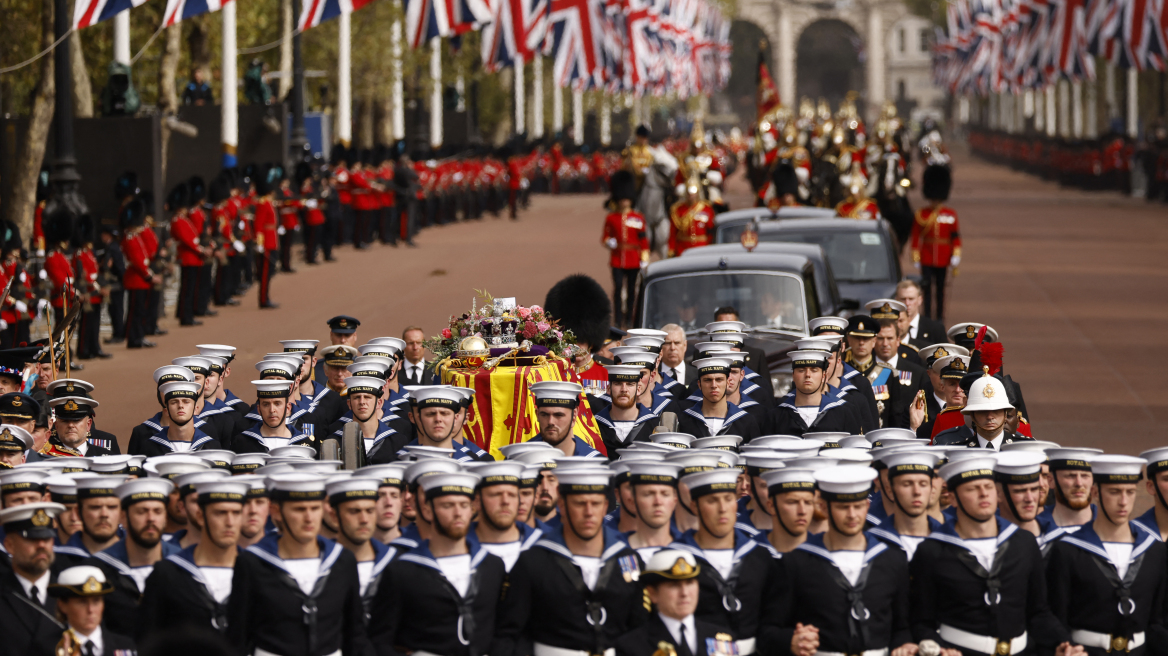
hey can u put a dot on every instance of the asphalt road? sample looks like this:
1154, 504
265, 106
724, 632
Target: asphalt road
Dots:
1070, 280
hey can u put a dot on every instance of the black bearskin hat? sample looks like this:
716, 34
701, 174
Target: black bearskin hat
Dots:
338, 155
42, 188
83, 231
623, 185
220, 189
583, 307
58, 226
303, 172
197, 188
785, 180
132, 215
126, 185
11, 237
178, 198
936, 182
643, 131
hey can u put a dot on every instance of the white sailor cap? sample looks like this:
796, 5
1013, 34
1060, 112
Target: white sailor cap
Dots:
725, 327
556, 393
110, 464
930, 354
910, 461
817, 343
572, 463
638, 361
435, 396
1157, 460
647, 332
386, 351
623, 373
15, 438
959, 453
395, 344
880, 434
713, 347
789, 479
652, 472
322, 467
722, 442
760, 462
885, 442
855, 442
247, 462
92, 487
23, 479
845, 457
678, 440
546, 459
197, 364
584, 480
693, 460
639, 455
735, 338
31, 521
279, 368
1066, 458
371, 366
649, 343
513, 450
805, 447
707, 366
702, 483
1037, 446
650, 447
217, 350
272, 469
808, 359
969, 469
622, 350
297, 486
814, 463
364, 385
445, 484
224, 490
967, 332
827, 324
293, 451
300, 345
429, 467
257, 485
219, 458
170, 373
1019, 467
352, 488
136, 490
217, 364
497, 473
170, 466
845, 483
180, 390
830, 438
1112, 468
186, 482
769, 441
531, 476
62, 488
884, 308
421, 452
391, 474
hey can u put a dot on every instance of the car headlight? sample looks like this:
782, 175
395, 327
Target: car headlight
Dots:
781, 382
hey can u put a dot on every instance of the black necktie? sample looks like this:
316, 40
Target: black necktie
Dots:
34, 594
683, 648
673, 373
89, 650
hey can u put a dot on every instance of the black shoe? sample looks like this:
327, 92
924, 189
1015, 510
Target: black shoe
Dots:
330, 259
114, 340
411, 244
103, 355
211, 313
269, 306
159, 332
192, 322
232, 301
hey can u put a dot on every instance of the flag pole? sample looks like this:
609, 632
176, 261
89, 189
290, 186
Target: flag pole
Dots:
520, 96
229, 95
537, 96
436, 92
345, 78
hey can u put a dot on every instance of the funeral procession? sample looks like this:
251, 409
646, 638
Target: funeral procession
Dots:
583, 328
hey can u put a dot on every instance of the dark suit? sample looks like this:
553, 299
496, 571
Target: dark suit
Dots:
929, 332
8, 581
115, 643
643, 640
26, 627
911, 377
680, 392
427, 374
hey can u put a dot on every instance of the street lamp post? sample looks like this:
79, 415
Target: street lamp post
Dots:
299, 136
64, 181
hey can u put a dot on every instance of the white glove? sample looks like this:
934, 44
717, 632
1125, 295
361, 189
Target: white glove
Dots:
280, 230
259, 249
238, 246
43, 275
3, 325
21, 306
310, 203
42, 305
644, 265
40, 252
611, 243
955, 260
917, 266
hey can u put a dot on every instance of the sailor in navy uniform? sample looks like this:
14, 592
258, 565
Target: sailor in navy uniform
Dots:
714, 414
219, 418
910, 485
739, 390
181, 435
147, 429
389, 350
227, 354
831, 327
653, 487
433, 411
441, 596
1107, 581
739, 576
861, 342
556, 411
848, 389
845, 591
1157, 515
632, 421
671, 587
73, 590
296, 593
342, 330
65, 387
185, 487
791, 491
754, 516
419, 527
1072, 509
887, 309
1019, 475
28, 565
379, 438
272, 429
97, 507
191, 587
128, 563
353, 509
577, 589
497, 508
756, 370
317, 399
812, 404
978, 584
654, 395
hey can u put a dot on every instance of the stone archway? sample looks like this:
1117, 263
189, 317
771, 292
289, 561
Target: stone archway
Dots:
829, 61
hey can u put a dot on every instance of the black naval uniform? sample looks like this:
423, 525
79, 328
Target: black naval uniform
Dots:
268, 610
885, 389
850, 392
645, 639
851, 618
642, 428
737, 422
835, 415
949, 588
176, 596
966, 436
26, 627
547, 601
417, 609
1088, 596
121, 605
304, 433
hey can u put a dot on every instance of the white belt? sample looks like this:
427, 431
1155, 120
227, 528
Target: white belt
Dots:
982, 644
265, 652
868, 652
1108, 642
548, 650
745, 646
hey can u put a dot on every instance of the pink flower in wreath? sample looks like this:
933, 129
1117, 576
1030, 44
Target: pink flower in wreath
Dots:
559, 335
462, 333
446, 333
523, 312
535, 308
529, 330
543, 326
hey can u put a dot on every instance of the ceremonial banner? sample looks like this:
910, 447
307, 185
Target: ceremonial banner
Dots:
503, 410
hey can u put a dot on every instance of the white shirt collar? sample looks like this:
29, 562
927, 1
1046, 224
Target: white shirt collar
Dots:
940, 401
680, 369
997, 441
96, 638
674, 626
913, 327
42, 585
892, 362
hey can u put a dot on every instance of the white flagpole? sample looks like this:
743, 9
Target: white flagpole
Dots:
229, 97
578, 116
557, 109
436, 92
345, 79
537, 97
122, 37
520, 96
399, 113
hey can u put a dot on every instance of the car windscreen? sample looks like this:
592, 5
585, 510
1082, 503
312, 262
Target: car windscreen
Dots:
855, 255
762, 299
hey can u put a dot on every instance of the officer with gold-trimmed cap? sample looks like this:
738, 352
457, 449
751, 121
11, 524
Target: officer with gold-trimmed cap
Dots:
14, 443
860, 337
28, 542
986, 406
76, 590
556, 406
950, 370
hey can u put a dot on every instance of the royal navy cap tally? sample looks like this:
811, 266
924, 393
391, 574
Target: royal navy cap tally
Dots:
803, 359
652, 472
709, 366
934, 352
217, 351
725, 327
722, 442
1019, 467
585, 480
531, 476
678, 440
180, 390
272, 389
171, 373
430, 466
218, 365
884, 308
642, 360
820, 325
789, 479
1064, 458
23, 479
137, 490
197, 364
623, 373
373, 350
226, 490
352, 488
862, 325
556, 393
908, 461
445, 484
343, 325
364, 385
219, 458
390, 474
245, 463
830, 439
712, 481
1156, 459
467, 393
371, 366
497, 473
92, 487
257, 485
296, 487
670, 565
277, 368
1111, 468
31, 521
62, 488
692, 460
299, 345
435, 396
965, 470
187, 482
14, 438
845, 484
732, 338
338, 355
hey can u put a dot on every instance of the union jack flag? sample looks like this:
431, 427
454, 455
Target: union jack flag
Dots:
427, 19
315, 12
575, 40
92, 12
517, 29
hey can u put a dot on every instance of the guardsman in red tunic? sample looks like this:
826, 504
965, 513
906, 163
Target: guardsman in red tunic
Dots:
936, 239
857, 205
363, 202
290, 205
341, 158
190, 254
200, 213
627, 239
92, 295
266, 224
691, 221
388, 229
313, 211
224, 209
138, 278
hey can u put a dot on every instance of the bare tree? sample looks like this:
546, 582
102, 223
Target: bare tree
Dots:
82, 85
285, 50
32, 149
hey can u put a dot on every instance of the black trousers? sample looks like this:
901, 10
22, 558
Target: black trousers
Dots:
137, 316
265, 267
153, 311
385, 231
224, 272
312, 235
89, 333
203, 296
286, 250
188, 294
628, 279
117, 313
933, 281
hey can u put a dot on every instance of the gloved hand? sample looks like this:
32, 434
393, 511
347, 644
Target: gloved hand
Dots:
3, 325
917, 266
42, 305
955, 260
611, 243
280, 230
21, 306
238, 246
